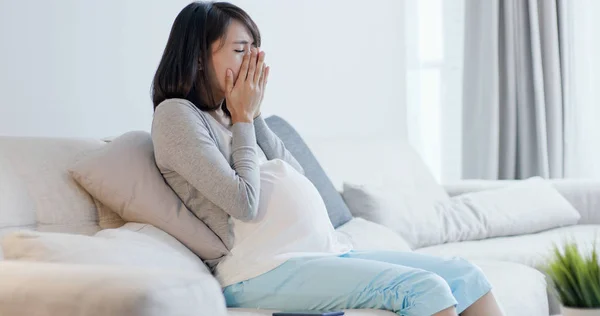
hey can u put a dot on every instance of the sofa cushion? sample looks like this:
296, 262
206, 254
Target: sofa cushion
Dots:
50, 289
384, 162
366, 235
531, 249
336, 208
134, 244
123, 176
380, 163
17, 208
524, 207
527, 206
406, 211
519, 290
583, 194
36, 190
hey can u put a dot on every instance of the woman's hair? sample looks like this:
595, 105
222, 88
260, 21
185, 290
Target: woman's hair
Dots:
182, 71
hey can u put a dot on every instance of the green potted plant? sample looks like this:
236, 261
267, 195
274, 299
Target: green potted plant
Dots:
575, 278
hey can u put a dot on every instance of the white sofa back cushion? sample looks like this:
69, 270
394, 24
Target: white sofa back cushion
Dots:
36, 190
134, 244
380, 163
17, 208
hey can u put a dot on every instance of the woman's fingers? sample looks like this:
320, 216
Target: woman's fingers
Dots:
261, 80
244, 69
252, 66
266, 76
228, 81
259, 67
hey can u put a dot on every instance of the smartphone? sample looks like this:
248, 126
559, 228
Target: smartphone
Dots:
309, 313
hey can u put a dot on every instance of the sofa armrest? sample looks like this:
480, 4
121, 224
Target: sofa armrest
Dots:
584, 195
34, 288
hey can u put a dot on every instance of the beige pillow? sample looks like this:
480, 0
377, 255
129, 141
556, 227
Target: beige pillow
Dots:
123, 176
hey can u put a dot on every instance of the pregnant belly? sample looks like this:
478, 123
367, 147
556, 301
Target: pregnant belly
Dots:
292, 216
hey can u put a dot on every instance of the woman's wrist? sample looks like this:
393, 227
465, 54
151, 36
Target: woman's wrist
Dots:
241, 118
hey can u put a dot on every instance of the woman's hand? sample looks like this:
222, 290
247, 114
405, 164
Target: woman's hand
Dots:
244, 97
264, 85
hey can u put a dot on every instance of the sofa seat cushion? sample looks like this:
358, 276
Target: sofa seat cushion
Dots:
531, 249
132, 245
48, 289
520, 290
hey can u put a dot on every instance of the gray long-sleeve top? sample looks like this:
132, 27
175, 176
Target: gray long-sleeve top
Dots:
192, 158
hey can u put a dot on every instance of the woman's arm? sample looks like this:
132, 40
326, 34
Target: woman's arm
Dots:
271, 145
182, 143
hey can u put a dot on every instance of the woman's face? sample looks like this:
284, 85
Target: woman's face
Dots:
228, 55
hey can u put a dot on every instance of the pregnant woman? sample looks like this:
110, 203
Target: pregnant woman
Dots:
215, 150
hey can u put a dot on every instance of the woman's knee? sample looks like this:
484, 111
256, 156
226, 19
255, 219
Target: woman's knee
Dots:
430, 284
468, 271
429, 294
418, 292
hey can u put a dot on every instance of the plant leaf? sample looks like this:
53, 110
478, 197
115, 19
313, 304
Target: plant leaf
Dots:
575, 277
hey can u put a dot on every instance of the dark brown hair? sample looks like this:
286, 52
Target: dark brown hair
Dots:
182, 71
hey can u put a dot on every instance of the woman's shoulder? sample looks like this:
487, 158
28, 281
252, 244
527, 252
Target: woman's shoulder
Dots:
176, 105
178, 117
178, 111
177, 126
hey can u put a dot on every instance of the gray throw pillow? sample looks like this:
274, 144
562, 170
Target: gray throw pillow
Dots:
337, 209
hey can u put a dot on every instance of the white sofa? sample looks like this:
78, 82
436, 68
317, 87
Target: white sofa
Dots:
37, 193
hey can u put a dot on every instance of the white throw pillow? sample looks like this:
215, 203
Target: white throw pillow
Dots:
527, 206
134, 244
412, 215
366, 235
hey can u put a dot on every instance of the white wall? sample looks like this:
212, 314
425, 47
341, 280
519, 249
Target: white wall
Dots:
84, 68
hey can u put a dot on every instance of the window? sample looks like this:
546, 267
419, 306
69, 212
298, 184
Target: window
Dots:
434, 37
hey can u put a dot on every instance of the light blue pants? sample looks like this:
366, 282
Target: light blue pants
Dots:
406, 283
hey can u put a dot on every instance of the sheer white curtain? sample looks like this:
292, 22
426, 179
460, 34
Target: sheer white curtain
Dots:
434, 59
582, 92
